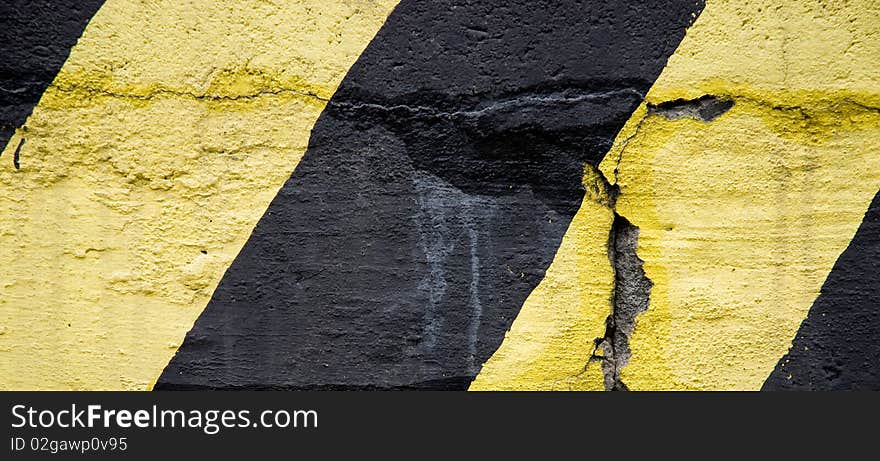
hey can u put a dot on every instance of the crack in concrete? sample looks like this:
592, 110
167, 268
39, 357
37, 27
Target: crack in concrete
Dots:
856, 103
706, 108
528, 100
709, 107
623, 147
631, 287
152, 94
16, 156
630, 295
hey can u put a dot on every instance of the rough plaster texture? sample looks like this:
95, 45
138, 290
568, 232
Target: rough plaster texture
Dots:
35, 41
146, 165
836, 347
744, 177
748, 170
551, 343
743, 217
435, 192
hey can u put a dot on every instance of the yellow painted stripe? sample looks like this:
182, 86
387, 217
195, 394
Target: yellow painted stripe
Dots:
550, 343
743, 217
146, 165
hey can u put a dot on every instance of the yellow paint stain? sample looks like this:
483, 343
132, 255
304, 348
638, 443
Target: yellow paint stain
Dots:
146, 165
550, 343
743, 217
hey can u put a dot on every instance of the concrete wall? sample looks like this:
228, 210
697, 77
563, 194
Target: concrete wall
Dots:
346, 194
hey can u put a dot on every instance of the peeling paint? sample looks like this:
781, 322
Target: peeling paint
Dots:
741, 218
706, 108
632, 290
471, 207
550, 344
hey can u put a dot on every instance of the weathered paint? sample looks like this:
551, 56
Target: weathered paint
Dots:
435, 192
552, 342
836, 347
743, 217
439, 184
146, 165
35, 40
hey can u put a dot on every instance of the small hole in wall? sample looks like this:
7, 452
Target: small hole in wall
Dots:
204, 252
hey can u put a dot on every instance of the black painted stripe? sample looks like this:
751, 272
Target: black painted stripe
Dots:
838, 345
438, 184
35, 40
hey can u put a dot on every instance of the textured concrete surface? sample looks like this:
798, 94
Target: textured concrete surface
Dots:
437, 187
147, 163
577, 195
743, 217
35, 40
748, 171
552, 343
836, 347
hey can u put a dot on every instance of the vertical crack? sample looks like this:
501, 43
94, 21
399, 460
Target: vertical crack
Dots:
16, 156
623, 148
630, 296
631, 289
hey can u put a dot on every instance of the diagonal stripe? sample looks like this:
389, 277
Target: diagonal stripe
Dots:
836, 347
437, 187
35, 40
550, 344
743, 215
146, 165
